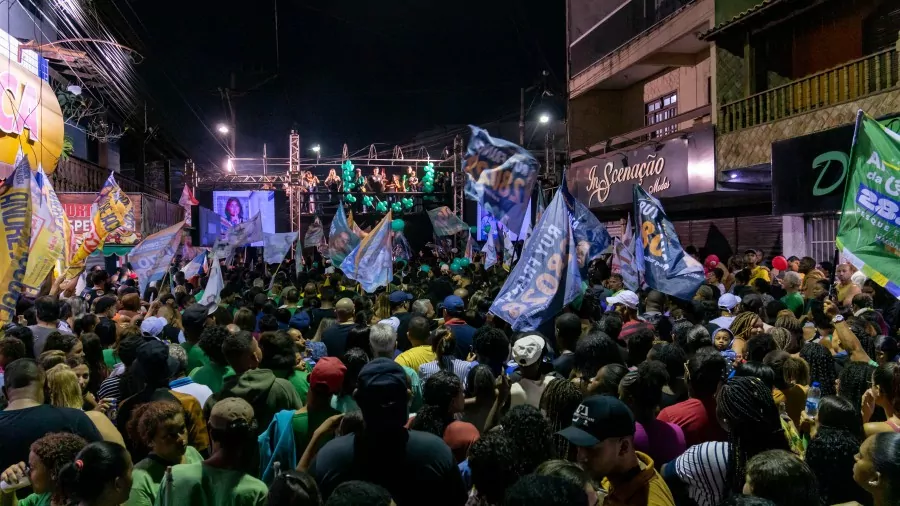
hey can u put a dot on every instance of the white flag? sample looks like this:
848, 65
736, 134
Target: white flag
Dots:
195, 266
246, 233
276, 246
213, 286
490, 250
508, 250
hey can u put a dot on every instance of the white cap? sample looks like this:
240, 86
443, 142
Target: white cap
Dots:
527, 350
728, 300
627, 298
393, 321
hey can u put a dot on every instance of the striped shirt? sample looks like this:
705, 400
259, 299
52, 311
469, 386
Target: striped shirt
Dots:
461, 369
703, 468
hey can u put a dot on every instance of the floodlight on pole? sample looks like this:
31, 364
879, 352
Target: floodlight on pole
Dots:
544, 119
223, 129
317, 148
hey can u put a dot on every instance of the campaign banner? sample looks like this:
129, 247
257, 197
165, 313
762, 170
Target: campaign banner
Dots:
246, 232
51, 234
186, 201
869, 232
501, 176
151, 258
470, 248
445, 222
370, 262
402, 250
659, 257
222, 250
214, 286
277, 246
623, 258
591, 237
341, 237
15, 226
195, 267
108, 214
490, 250
508, 250
315, 234
547, 276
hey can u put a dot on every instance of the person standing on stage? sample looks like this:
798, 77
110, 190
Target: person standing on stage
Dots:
410, 181
311, 182
333, 182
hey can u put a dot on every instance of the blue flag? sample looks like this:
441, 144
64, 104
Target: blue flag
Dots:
151, 258
500, 175
658, 252
591, 237
370, 263
546, 278
341, 237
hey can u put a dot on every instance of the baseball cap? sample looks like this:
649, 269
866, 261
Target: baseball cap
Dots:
381, 383
454, 303
527, 349
598, 418
231, 413
194, 317
393, 321
400, 296
627, 298
751, 251
728, 301
329, 371
153, 325
153, 360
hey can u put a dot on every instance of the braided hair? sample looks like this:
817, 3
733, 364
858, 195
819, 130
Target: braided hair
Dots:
743, 324
438, 393
821, 366
754, 426
559, 402
854, 380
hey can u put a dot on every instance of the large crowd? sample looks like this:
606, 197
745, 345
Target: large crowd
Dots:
770, 387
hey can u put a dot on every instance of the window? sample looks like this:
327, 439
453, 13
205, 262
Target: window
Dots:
820, 234
662, 109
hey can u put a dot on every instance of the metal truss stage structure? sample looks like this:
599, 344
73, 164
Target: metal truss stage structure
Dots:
284, 174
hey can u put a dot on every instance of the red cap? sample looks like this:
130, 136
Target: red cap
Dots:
329, 371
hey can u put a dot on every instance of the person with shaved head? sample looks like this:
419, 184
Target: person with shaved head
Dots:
335, 338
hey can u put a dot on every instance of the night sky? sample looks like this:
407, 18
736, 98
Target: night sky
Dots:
349, 71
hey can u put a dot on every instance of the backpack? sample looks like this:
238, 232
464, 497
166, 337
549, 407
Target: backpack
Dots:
277, 451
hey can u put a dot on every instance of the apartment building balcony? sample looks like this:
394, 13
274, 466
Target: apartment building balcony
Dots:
77, 175
854, 80
636, 40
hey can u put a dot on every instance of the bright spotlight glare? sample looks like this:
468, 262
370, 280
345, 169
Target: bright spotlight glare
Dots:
545, 118
229, 165
223, 128
317, 148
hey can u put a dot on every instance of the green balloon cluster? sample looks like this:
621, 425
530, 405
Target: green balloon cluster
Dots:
397, 225
347, 176
368, 200
407, 203
459, 263
397, 207
350, 198
428, 180
381, 207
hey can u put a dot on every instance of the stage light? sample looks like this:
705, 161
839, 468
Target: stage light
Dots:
544, 119
223, 128
316, 148
229, 165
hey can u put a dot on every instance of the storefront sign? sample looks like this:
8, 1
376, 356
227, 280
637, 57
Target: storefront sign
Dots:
808, 172
30, 118
682, 165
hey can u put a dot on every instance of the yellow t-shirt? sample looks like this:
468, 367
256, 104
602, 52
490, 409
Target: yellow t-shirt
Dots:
760, 273
646, 489
414, 357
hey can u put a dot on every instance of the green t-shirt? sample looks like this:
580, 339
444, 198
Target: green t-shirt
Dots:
794, 302
212, 375
203, 485
149, 473
300, 382
306, 423
110, 358
36, 500
195, 356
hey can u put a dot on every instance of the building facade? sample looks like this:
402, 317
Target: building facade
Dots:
773, 85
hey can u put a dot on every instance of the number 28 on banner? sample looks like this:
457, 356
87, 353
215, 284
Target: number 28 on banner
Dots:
649, 235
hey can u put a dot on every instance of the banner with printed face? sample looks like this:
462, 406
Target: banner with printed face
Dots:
445, 222
591, 237
245, 233
315, 234
151, 258
277, 246
658, 252
546, 278
51, 234
500, 175
371, 263
341, 238
15, 224
869, 233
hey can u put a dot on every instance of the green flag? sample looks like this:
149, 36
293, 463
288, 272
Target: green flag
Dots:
869, 233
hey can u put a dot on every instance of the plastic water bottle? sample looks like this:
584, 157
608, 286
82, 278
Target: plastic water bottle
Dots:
9, 487
812, 400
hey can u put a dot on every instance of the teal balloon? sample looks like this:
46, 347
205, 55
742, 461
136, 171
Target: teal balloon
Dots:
396, 207
407, 203
350, 198
425, 268
367, 200
464, 262
486, 228
473, 229
455, 268
397, 225
428, 188
381, 207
